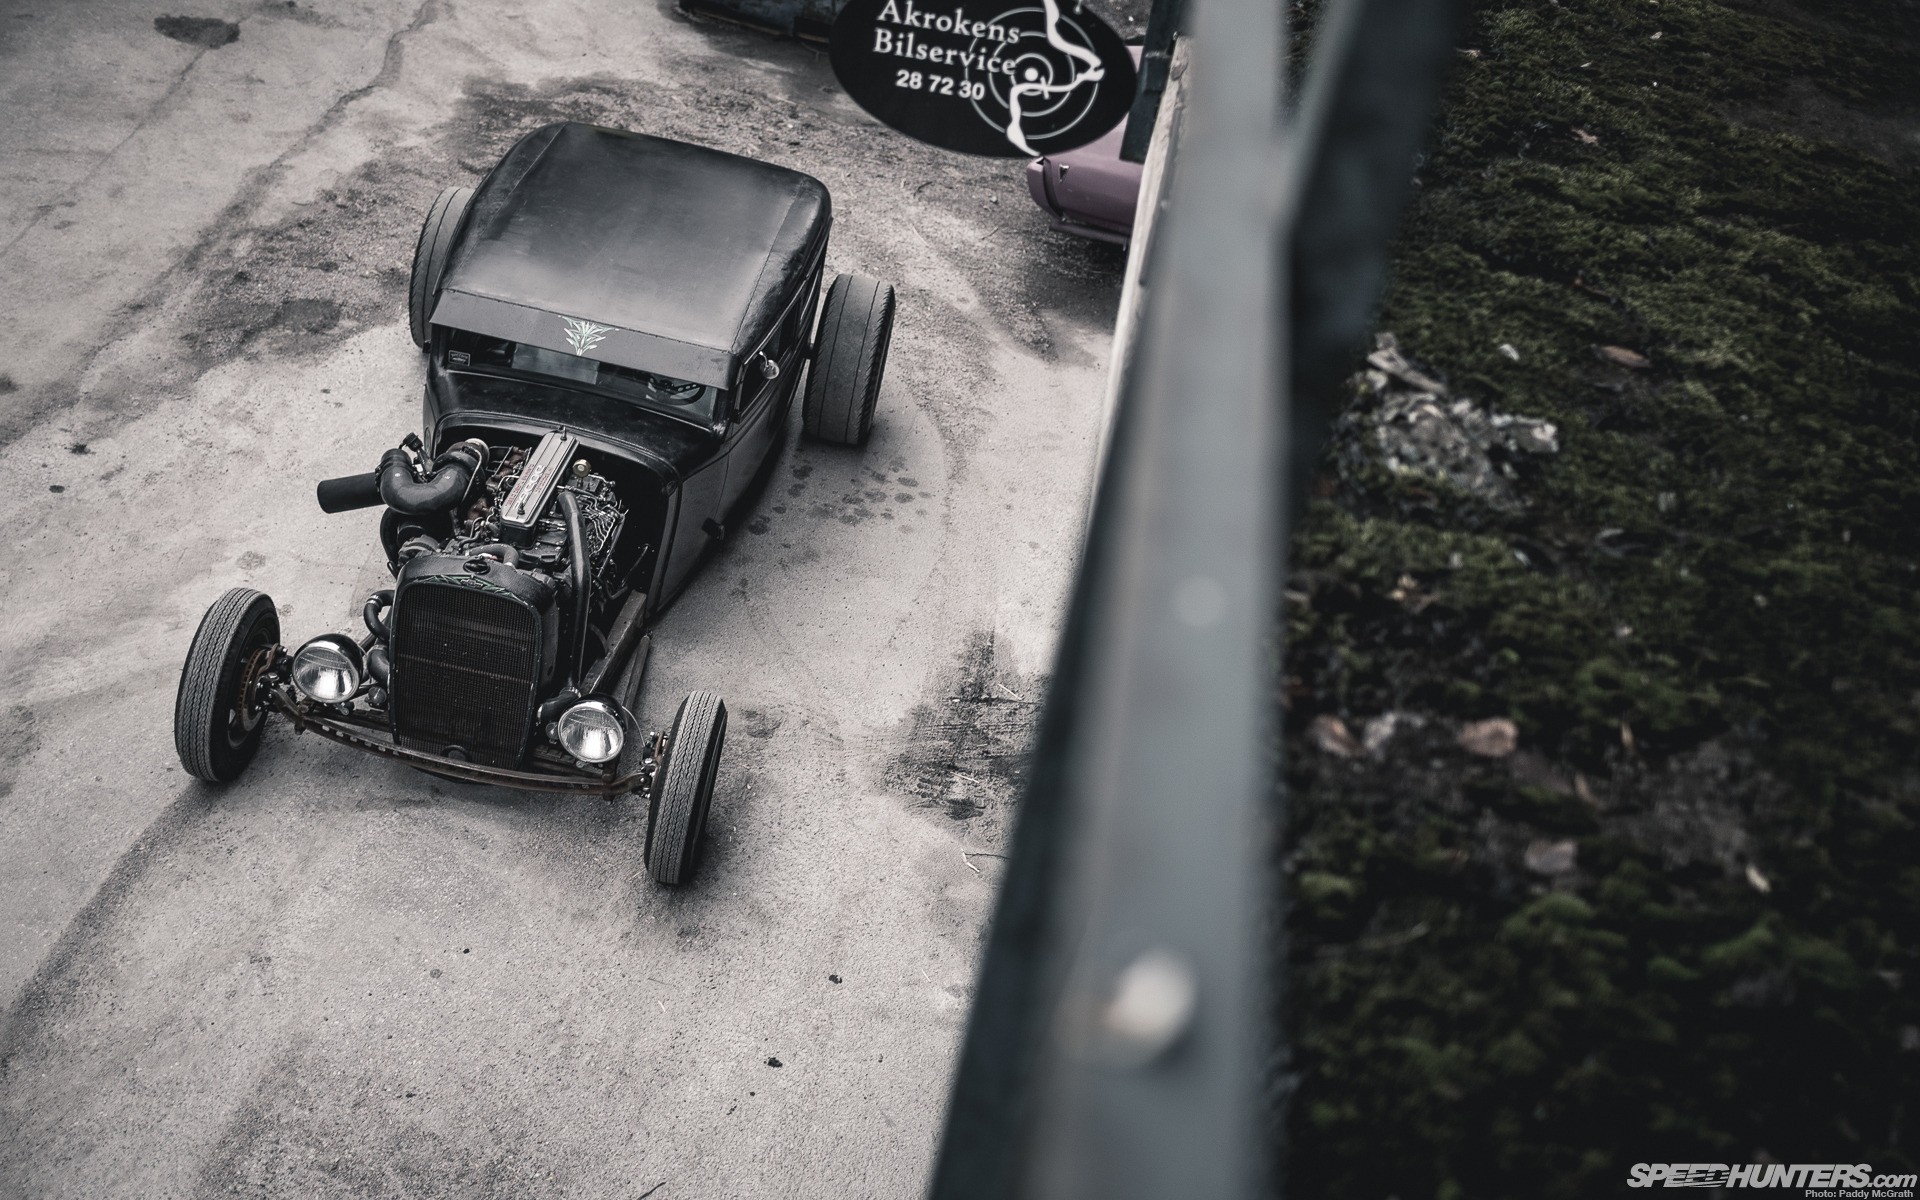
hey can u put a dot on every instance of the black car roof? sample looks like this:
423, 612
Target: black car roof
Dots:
633, 250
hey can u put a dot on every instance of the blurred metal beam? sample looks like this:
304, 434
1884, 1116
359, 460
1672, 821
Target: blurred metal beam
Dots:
1121, 1026
1127, 917
1365, 110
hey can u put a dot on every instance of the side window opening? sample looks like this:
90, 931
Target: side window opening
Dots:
799, 323
785, 337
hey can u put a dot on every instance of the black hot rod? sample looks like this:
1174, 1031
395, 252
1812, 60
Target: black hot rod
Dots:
615, 326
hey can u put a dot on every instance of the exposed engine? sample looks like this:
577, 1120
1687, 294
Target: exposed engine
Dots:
501, 558
517, 515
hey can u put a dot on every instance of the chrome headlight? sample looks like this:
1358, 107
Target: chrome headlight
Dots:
591, 731
329, 668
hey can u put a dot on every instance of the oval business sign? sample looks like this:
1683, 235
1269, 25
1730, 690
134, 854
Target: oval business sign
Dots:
994, 77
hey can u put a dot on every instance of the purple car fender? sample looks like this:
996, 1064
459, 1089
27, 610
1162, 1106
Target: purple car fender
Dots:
1090, 192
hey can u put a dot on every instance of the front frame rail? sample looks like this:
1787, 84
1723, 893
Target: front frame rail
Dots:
373, 738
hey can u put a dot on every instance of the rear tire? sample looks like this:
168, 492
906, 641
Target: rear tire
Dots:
856, 330
215, 729
683, 791
430, 253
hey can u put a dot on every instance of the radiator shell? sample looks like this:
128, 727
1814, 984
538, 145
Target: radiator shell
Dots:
474, 643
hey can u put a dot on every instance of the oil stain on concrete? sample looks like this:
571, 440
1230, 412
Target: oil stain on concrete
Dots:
209, 33
965, 754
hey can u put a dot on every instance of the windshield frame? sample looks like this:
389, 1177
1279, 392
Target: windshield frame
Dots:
712, 407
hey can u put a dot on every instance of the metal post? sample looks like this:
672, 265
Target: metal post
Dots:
1116, 1042
1120, 1028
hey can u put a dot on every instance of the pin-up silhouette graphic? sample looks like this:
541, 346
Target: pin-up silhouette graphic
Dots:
1036, 79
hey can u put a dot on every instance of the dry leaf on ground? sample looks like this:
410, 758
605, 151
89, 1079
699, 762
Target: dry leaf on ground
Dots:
1330, 735
1550, 858
1495, 738
1621, 356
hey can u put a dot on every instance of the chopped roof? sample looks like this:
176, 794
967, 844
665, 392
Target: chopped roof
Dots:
634, 250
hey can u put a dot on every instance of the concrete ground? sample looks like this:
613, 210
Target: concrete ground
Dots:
340, 977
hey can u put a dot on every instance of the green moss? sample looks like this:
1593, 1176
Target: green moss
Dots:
1709, 611
1321, 887
1662, 969
1753, 949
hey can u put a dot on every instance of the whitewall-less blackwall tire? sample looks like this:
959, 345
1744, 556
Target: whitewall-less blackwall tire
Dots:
430, 253
217, 728
843, 384
683, 789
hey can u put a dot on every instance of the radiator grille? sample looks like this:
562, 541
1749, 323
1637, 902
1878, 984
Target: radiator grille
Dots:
465, 668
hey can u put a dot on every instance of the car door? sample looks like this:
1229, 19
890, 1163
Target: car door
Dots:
695, 522
1095, 186
752, 434
761, 415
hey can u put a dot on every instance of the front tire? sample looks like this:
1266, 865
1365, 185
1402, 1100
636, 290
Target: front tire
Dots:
683, 791
843, 385
216, 725
430, 253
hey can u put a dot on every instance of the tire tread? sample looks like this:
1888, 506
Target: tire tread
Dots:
700, 725
198, 704
843, 385
430, 252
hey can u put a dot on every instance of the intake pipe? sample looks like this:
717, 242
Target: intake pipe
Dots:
577, 551
394, 484
443, 488
370, 613
380, 666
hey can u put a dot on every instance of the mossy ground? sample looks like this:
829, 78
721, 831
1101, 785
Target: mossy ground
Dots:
1706, 625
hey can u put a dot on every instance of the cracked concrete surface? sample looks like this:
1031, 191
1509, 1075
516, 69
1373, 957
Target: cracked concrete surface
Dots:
340, 977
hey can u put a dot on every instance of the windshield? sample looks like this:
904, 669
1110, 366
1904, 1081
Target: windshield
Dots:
694, 401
